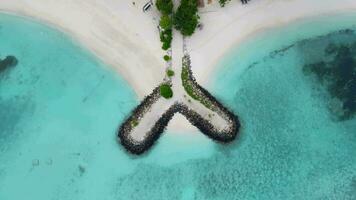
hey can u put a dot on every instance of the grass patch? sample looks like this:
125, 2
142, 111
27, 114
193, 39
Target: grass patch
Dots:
134, 123
189, 88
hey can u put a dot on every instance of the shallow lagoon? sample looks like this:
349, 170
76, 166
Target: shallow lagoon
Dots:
60, 108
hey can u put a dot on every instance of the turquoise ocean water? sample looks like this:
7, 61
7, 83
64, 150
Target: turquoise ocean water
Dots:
60, 108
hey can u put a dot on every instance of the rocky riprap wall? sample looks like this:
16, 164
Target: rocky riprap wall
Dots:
204, 125
194, 118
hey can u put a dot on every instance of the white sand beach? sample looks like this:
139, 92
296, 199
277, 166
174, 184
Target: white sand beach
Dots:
127, 39
227, 27
117, 31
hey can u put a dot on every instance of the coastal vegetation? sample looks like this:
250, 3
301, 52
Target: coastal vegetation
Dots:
223, 2
165, 6
166, 38
134, 122
166, 91
167, 58
186, 18
190, 85
216, 121
170, 73
186, 83
166, 9
165, 22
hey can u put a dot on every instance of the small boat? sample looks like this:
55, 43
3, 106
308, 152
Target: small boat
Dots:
147, 6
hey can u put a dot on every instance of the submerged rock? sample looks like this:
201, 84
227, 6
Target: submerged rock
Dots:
35, 162
9, 61
81, 169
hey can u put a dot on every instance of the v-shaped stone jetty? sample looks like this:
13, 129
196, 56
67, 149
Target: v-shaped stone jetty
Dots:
148, 121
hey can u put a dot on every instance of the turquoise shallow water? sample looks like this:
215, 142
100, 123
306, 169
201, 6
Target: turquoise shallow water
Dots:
60, 108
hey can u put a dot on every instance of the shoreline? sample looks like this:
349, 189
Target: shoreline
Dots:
233, 25
132, 47
137, 134
102, 30
253, 20
268, 33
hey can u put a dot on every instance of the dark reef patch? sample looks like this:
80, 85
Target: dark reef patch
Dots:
9, 61
11, 114
353, 184
338, 75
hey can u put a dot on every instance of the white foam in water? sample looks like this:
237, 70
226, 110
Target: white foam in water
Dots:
59, 142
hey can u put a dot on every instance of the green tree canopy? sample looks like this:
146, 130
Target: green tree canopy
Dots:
166, 91
186, 17
166, 38
165, 6
165, 22
170, 73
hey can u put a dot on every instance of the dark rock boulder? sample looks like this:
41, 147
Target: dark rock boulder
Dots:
9, 61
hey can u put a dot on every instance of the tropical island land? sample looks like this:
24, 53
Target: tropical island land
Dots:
132, 46
177, 94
